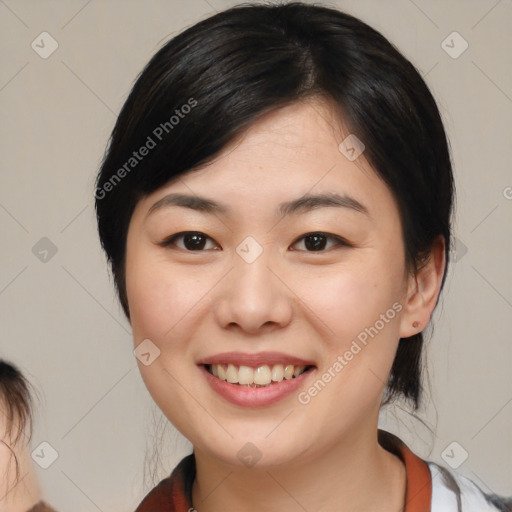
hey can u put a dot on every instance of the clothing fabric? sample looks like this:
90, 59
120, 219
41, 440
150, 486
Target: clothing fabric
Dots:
430, 487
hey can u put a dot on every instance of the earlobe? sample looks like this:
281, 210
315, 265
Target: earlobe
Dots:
423, 291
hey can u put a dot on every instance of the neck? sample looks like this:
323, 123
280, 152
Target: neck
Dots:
355, 475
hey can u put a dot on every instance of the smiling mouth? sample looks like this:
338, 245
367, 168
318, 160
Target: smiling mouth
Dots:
260, 377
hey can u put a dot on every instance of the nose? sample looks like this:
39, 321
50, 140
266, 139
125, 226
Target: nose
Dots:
253, 298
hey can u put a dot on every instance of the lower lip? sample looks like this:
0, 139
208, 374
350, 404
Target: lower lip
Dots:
255, 397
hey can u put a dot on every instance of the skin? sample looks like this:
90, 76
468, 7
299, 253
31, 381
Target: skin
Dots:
22, 495
291, 299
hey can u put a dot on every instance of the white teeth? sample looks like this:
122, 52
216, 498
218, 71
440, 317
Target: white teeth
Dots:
262, 376
221, 371
245, 375
231, 374
298, 370
278, 373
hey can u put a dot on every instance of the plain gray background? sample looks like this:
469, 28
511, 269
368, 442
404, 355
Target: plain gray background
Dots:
61, 322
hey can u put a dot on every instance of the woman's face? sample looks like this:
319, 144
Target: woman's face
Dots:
249, 289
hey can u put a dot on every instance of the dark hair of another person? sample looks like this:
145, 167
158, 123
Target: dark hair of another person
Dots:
247, 61
16, 404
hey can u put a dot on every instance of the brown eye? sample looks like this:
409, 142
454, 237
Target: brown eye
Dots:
316, 242
192, 241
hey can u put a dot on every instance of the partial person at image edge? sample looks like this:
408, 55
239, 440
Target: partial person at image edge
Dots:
16, 414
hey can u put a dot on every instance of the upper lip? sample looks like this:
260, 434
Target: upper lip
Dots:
255, 360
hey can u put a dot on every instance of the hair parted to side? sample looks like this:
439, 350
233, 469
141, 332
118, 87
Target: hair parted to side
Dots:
242, 63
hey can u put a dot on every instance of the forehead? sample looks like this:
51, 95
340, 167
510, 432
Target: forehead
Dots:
306, 129
288, 153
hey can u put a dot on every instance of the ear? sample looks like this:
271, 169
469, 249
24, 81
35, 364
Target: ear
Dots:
423, 290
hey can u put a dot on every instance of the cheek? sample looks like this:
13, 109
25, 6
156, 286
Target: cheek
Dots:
162, 305
348, 300
158, 298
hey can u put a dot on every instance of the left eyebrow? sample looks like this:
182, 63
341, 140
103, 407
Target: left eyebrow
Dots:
310, 202
300, 205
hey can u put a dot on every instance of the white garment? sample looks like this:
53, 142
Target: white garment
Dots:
453, 492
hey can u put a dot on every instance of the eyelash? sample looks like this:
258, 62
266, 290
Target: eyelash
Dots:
339, 241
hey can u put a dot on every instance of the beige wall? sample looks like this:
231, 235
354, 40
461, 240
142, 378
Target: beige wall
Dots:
60, 320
